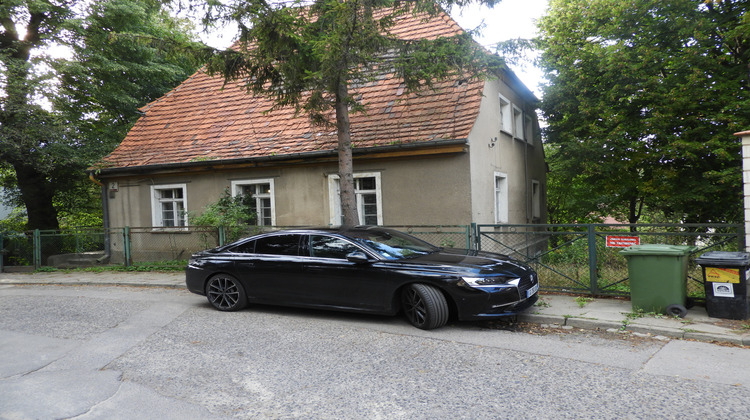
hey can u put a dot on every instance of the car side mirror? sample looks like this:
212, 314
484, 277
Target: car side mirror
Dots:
358, 257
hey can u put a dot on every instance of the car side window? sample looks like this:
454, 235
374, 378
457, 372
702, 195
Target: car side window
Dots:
330, 247
278, 245
245, 248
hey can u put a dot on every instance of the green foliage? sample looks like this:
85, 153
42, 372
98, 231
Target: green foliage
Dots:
89, 101
643, 100
15, 222
308, 54
236, 214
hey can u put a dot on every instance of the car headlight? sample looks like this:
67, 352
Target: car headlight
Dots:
494, 281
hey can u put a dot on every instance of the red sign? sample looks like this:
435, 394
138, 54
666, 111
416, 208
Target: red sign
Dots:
622, 241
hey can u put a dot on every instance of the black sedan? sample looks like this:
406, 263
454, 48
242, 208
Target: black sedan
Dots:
362, 269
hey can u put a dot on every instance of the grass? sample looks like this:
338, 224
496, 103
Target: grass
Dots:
583, 300
157, 266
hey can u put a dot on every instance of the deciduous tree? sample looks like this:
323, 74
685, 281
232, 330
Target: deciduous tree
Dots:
642, 102
59, 116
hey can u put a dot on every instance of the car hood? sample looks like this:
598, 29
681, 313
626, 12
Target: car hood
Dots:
468, 261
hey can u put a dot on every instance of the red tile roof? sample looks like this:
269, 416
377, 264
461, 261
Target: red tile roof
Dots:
199, 120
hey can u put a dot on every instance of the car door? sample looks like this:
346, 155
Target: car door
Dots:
272, 270
334, 281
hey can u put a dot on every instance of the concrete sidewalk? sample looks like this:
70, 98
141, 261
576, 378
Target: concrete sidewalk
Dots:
561, 311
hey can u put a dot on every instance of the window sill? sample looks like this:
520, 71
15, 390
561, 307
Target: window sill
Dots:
170, 230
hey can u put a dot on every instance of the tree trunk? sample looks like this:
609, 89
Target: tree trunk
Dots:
634, 212
346, 165
37, 194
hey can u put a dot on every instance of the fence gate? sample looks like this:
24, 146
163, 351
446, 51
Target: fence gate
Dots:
585, 258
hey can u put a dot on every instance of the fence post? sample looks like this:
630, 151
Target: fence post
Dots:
593, 276
222, 236
126, 245
474, 234
37, 244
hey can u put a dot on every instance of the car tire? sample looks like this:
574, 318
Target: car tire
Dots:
677, 310
225, 293
425, 306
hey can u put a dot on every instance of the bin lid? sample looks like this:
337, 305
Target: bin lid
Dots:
657, 249
724, 259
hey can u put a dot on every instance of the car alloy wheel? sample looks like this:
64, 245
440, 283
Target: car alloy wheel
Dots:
225, 293
425, 306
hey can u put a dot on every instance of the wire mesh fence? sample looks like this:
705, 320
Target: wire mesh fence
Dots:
587, 259
568, 258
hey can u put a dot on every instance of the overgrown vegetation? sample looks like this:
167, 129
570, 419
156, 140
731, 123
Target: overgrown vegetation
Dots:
236, 214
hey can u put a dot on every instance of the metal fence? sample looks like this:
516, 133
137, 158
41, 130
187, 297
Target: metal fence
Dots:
569, 258
586, 258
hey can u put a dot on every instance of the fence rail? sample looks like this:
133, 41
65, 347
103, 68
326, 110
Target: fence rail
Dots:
576, 258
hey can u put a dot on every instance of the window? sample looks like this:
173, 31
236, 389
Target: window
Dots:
506, 115
263, 203
168, 205
536, 199
330, 247
501, 198
368, 195
528, 130
278, 245
517, 122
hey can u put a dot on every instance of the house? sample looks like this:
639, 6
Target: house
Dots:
467, 151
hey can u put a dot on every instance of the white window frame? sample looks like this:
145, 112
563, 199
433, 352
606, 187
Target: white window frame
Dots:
518, 123
506, 115
236, 187
157, 220
334, 198
536, 199
502, 200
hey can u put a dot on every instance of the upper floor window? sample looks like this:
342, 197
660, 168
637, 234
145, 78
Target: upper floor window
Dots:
262, 194
517, 123
506, 115
168, 205
528, 128
368, 195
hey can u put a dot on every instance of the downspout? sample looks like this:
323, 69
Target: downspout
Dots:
527, 180
105, 219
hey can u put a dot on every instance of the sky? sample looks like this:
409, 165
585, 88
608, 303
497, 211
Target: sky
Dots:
510, 19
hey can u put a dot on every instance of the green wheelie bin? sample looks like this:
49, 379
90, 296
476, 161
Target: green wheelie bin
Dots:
658, 277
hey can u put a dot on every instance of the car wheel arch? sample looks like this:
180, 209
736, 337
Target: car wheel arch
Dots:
450, 305
226, 292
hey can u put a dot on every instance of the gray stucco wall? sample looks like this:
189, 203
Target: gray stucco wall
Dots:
422, 190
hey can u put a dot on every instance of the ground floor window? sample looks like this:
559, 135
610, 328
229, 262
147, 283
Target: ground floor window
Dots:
262, 194
501, 198
368, 194
536, 199
168, 205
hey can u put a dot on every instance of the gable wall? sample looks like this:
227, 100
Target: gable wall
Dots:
495, 150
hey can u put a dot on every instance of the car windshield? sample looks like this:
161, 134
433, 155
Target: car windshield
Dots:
393, 245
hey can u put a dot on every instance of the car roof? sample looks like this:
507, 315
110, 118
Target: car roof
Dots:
328, 229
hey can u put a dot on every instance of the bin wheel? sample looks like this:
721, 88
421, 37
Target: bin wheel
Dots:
677, 310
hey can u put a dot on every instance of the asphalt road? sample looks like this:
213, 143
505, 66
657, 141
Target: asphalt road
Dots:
133, 353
